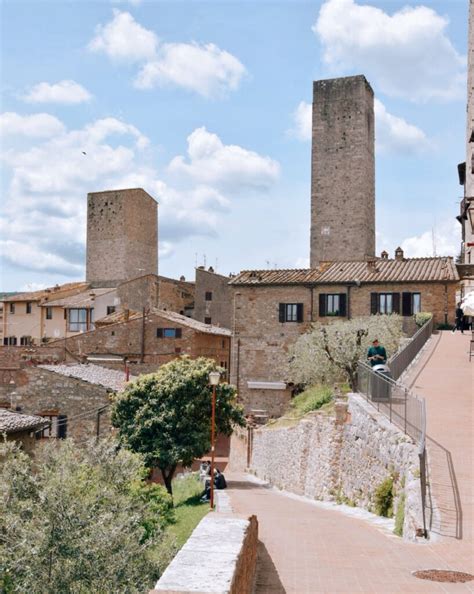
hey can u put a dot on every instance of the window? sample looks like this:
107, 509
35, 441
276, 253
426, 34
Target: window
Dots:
25, 341
28, 307
57, 427
110, 309
208, 296
12, 308
290, 312
9, 341
208, 320
168, 333
384, 303
77, 320
332, 304
411, 303
177, 350
49, 313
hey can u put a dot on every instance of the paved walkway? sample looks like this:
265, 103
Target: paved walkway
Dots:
306, 549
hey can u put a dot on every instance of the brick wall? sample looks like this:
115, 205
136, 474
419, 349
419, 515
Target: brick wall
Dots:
38, 391
342, 170
218, 309
175, 295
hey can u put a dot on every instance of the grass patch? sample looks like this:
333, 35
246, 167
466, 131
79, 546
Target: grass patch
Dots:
188, 508
400, 516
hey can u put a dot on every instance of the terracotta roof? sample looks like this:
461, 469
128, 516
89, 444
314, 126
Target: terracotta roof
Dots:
93, 374
48, 293
12, 422
383, 270
83, 299
116, 317
190, 323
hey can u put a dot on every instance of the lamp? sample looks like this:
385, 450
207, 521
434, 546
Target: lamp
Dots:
214, 377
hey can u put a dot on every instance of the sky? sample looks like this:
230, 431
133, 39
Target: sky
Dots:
206, 105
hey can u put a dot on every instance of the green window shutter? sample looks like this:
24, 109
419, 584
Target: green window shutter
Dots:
342, 305
62, 426
322, 305
374, 303
396, 303
407, 309
159, 333
299, 312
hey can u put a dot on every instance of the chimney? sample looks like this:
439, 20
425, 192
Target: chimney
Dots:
182, 278
399, 254
371, 263
384, 255
126, 314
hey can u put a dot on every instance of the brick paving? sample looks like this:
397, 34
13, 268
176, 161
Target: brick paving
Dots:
305, 549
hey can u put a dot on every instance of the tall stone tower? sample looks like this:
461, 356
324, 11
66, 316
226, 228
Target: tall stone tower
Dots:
122, 236
342, 170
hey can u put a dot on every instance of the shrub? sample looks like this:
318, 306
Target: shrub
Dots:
444, 327
422, 317
383, 498
400, 516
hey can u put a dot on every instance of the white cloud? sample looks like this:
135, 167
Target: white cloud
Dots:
124, 39
66, 91
225, 166
132, 2
202, 68
205, 69
302, 121
443, 240
407, 54
38, 125
393, 134
45, 203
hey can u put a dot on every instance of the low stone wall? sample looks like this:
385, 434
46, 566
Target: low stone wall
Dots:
219, 556
342, 457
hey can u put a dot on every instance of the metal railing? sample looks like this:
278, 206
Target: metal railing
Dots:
404, 409
399, 362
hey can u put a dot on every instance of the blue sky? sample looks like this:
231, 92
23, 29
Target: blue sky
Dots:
206, 105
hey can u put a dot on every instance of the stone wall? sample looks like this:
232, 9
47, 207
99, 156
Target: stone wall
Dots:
342, 170
342, 457
218, 309
219, 556
176, 295
40, 392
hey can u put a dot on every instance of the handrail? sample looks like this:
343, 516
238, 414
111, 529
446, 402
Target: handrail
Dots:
400, 360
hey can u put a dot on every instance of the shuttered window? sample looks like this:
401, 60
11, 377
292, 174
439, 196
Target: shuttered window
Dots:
168, 333
332, 304
384, 303
290, 312
411, 303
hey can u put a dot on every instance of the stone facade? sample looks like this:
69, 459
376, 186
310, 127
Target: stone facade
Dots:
261, 342
122, 236
213, 298
176, 295
342, 171
341, 457
51, 395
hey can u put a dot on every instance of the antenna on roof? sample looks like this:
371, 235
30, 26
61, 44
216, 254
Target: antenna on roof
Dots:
267, 262
433, 239
204, 257
215, 267
195, 259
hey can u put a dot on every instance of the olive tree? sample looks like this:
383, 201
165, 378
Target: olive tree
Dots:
78, 520
330, 352
166, 416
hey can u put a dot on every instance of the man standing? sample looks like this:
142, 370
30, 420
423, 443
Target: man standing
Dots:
459, 319
376, 354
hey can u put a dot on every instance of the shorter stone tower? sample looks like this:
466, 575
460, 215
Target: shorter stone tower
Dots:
342, 170
122, 236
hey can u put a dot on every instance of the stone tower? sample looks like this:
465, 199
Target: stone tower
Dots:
122, 236
342, 170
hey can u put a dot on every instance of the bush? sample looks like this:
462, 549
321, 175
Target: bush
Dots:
444, 327
77, 520
422, 317
400, 516
383, 498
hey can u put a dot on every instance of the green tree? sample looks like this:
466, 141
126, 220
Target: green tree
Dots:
77, 520
165, 416
330, 352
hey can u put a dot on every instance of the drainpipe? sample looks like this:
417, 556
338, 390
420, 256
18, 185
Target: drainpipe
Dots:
142, 353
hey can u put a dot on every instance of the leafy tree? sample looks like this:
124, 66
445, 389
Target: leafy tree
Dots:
165, 416
77, 521
330, 352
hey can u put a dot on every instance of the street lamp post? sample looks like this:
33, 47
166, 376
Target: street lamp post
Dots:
214, 378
